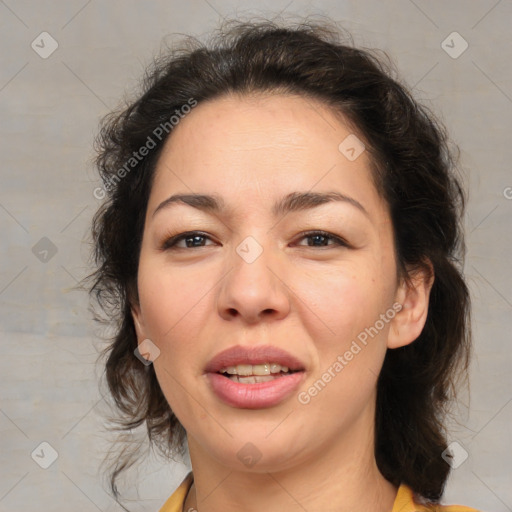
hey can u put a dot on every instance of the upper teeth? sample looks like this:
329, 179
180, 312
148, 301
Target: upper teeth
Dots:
254, 369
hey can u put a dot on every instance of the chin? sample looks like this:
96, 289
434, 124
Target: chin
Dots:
254, 450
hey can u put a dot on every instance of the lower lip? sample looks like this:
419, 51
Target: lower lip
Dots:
254, 396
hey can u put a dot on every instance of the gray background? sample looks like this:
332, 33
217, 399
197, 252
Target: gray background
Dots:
50, 109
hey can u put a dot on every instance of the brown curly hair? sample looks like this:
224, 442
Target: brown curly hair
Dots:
414, 169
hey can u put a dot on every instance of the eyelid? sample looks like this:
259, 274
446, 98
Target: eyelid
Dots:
340, 241
170, 241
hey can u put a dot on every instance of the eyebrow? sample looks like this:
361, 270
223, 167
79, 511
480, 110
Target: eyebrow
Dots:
295, 201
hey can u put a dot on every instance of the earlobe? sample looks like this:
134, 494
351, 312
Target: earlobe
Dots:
413, 294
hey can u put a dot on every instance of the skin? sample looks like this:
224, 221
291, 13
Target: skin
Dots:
312, 301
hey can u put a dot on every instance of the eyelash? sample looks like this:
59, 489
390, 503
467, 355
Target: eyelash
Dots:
170, 243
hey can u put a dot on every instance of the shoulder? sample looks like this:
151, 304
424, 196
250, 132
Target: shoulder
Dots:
406, 501
177, 499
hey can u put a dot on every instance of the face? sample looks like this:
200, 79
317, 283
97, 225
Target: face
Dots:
254, 276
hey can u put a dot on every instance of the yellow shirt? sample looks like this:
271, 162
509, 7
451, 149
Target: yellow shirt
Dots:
404, 501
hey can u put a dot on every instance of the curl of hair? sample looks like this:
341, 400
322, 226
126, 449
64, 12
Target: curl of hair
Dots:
413, 169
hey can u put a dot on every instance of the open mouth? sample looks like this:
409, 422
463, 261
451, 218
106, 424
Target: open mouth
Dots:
256, 373
254, 377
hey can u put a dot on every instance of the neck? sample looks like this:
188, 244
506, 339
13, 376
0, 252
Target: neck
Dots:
343, 476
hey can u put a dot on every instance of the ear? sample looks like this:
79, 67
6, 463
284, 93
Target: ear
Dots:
414, 296
139, 323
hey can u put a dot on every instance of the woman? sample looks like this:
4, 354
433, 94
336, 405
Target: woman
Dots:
281, 245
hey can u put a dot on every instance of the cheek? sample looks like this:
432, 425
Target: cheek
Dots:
342, 301
343, 311
170, 299
175, 306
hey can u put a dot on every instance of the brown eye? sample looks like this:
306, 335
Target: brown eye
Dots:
322, 238
191, 238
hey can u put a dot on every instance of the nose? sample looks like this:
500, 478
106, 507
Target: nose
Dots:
255, 288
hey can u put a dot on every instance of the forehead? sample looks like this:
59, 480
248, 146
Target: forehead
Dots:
261, 122
262, 146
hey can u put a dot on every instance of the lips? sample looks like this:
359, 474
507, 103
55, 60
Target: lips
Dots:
261, 354
230, 377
